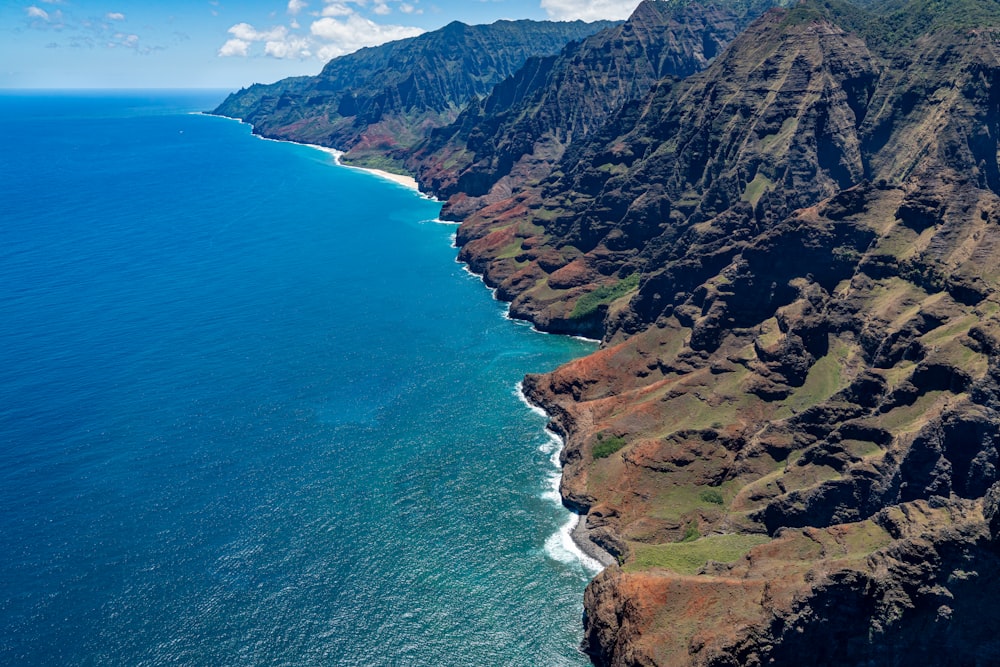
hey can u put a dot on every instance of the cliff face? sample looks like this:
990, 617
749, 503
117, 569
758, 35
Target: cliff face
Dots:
515, 135
376, 103
809, 355
667, 187
906, 588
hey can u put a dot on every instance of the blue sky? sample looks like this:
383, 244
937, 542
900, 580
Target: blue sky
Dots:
227, 43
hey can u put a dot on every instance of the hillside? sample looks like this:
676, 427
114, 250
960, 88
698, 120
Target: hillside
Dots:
789, 431
379, 101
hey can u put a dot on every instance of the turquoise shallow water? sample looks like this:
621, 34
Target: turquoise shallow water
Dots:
252, 412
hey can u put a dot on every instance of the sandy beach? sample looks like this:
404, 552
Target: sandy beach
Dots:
405, 181
400, 179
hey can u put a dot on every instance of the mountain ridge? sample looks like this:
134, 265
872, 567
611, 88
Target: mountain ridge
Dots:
380, 100
518, 132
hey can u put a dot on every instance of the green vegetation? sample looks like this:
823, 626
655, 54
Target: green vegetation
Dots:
865, 539
511, 250
689, 557
919, 17
860, 448
529, 228
606, 446
911, 418
679, 502
375, 161
740, 7
691, 533
824, 379
587, 304
756, 189
712, 496
890, 24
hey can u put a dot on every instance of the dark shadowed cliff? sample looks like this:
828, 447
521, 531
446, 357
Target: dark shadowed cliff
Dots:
515, 135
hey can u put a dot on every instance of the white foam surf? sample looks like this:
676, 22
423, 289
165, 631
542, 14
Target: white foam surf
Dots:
559, 546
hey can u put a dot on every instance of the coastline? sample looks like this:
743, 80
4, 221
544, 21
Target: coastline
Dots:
575, 531
586, 551
406, 181
399, 179
574, 535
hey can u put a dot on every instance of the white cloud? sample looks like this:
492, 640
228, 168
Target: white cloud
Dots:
121, 39
247, 33
338, 30
45, 20
88, 33
589, 10
293, 47
234, 47
337, 9
355, 32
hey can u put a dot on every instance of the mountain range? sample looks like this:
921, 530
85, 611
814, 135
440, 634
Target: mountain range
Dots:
376, 103
783, 222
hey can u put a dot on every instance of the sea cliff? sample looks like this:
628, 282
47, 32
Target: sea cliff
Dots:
787, 243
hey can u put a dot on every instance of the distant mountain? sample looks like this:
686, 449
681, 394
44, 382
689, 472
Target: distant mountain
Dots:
522, 128
379, 101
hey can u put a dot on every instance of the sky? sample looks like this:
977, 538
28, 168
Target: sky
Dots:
228, 44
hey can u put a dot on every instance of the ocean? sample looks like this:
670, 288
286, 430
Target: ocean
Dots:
253, 412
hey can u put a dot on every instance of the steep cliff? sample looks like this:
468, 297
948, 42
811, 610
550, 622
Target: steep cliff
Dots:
689, 165
515, 135
794, 254
379, 101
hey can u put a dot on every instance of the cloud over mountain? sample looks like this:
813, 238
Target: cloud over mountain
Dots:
337, 29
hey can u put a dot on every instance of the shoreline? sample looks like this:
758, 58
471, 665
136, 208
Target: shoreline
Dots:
407, 182
399, 179
574, 535
581, 536
506, 314
588, 553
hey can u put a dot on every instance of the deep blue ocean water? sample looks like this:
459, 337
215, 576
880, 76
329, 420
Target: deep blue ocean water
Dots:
252, 412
